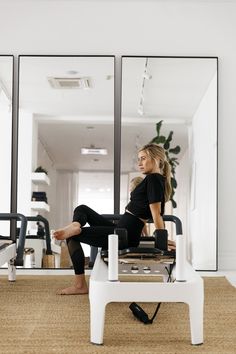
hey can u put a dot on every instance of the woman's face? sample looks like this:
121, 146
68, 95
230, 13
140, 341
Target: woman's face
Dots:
146, 164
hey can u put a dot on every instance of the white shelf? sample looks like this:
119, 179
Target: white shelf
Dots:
40, 206
40, 178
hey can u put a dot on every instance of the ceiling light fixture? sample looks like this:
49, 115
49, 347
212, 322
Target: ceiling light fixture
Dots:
140, 110
146, 76
92, 150
83, 83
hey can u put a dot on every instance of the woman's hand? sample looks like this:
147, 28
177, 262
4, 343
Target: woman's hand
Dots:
144, 231
171, 245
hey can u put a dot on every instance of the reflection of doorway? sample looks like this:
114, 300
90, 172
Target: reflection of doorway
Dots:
95, 190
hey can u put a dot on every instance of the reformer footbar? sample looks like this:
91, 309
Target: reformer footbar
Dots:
187, 287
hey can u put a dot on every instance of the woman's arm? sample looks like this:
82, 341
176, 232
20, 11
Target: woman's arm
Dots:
156, 215
159, 223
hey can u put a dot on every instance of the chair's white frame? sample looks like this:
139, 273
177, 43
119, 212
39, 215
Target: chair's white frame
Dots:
187, 288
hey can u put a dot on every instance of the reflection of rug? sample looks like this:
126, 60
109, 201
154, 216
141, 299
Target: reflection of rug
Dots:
65, 258
35, 320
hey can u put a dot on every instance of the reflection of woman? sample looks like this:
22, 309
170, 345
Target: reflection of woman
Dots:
147, 200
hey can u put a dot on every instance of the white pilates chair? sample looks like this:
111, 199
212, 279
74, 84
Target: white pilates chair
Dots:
105, 288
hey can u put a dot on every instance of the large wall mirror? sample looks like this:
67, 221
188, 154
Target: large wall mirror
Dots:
66, 139
6, 76
181, 93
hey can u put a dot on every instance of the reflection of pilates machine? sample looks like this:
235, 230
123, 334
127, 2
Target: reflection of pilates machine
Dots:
11, 252
105, 285
41, 243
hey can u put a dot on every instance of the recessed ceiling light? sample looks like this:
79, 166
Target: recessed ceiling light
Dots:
93, 151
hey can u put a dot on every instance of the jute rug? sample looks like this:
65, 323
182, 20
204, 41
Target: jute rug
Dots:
34, 319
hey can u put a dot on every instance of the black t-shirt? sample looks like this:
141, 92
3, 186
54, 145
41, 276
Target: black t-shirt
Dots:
150, 190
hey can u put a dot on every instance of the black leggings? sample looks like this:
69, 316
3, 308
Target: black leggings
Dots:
97, 233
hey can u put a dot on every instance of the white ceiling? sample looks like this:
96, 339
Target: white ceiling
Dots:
71, 118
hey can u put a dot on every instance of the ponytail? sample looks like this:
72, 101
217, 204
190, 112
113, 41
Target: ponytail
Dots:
167, 174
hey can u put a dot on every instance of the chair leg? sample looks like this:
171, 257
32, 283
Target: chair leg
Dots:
97, 320
196, 320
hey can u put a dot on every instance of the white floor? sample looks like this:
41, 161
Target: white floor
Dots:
229, 274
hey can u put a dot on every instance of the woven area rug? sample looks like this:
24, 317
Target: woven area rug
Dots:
35, 320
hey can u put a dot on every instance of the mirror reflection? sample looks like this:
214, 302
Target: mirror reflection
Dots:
65, 149
6, 76
161, 95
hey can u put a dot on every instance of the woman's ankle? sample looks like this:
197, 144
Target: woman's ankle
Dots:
80, 281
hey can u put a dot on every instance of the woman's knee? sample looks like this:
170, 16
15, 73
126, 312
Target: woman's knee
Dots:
80, 214
80, 208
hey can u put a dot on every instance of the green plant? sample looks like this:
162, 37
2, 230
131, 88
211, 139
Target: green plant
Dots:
41, 169
173, 160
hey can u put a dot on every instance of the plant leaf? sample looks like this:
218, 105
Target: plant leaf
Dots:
174, 205
168, 140
175, 150
158, 139
158, 127
173, 183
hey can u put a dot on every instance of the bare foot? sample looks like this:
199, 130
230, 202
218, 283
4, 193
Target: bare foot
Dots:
68, 231
79, 288
73, 290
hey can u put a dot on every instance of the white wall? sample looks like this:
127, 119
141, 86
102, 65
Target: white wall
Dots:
191, 28
25, 158
203, 180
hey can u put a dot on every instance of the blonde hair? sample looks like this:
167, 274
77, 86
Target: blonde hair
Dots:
135, 182
155, 151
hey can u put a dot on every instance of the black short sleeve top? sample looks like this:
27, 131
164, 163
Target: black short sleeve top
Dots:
150, 190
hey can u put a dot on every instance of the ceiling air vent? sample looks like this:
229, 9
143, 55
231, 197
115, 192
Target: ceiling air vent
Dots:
70, 83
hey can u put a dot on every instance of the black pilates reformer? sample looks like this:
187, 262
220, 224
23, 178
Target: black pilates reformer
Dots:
159, 240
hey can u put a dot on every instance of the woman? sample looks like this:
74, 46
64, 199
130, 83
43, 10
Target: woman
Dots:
147, 201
